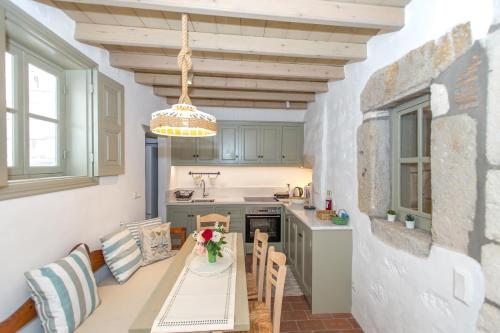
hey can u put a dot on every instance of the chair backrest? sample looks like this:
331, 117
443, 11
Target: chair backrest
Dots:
276, 274
208, 221
259, 253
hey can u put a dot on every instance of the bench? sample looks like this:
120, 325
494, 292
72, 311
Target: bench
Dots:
119, 303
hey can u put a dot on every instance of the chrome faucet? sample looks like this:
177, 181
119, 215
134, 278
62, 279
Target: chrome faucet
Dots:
203, 187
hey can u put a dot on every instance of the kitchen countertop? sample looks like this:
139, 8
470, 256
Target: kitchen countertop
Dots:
308, 217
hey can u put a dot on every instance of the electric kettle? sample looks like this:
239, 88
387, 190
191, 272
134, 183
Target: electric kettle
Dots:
297, 192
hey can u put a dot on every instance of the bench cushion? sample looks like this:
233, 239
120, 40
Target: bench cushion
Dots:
121, 303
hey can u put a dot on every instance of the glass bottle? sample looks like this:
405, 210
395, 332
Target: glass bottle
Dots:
328, 205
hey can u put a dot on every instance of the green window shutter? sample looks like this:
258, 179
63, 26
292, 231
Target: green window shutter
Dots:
109, 145
3, 115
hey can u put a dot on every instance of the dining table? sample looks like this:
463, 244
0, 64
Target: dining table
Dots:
145, 319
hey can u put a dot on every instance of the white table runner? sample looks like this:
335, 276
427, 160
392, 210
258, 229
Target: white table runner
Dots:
200, 303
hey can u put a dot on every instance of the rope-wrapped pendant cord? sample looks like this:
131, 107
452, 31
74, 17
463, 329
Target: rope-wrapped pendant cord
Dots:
184, 61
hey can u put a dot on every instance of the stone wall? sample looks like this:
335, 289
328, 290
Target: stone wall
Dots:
464, 82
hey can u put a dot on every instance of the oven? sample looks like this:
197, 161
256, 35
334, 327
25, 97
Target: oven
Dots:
266, 219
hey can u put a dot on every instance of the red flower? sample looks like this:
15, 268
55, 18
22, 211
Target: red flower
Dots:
207, 234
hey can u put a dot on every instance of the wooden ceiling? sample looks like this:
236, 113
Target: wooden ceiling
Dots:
259, 53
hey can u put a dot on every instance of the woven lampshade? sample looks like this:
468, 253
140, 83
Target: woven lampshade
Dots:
183, 120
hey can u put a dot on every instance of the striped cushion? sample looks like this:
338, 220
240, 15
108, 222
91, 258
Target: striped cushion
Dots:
122, 254
134, 227
64, 292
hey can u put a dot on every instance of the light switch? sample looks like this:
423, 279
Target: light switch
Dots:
462, 285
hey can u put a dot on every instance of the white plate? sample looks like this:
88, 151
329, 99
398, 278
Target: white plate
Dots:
199, 264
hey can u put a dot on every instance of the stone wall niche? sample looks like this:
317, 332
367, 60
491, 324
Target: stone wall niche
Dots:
374, 166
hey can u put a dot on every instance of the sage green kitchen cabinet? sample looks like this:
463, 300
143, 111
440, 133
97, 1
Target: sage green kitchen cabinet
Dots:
184, 150
185, 215
228, 143
207, 150
321, 261
286, 236
250, 144
270, 144
192, 151
260, 144
292, 145
245, 143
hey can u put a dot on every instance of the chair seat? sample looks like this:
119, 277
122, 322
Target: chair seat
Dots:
251, 287
260, 318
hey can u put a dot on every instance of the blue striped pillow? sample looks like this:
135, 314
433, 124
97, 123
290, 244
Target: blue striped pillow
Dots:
64, 292
122, 254
134, 227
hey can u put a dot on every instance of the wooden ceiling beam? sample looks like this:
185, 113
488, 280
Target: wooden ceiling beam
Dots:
215, 82
236, 94
153, 62
214, 42
243, 104
336, 13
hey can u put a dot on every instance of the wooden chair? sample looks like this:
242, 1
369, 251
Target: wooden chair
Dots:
255, 283
262, 318
27, 312
208, 221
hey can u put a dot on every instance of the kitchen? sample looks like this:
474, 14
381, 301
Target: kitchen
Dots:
254, 173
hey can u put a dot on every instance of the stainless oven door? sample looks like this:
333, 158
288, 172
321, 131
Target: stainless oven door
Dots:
270, 224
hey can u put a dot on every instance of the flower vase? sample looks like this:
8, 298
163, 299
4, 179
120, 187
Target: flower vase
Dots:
212, 257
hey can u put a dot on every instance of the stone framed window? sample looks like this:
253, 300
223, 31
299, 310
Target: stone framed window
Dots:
411, 170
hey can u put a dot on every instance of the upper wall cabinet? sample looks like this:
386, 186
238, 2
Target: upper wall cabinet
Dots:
110, 138
292, 144
244, 143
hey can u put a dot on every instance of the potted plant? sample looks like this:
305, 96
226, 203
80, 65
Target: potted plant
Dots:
391, 215
410, 221
210, 242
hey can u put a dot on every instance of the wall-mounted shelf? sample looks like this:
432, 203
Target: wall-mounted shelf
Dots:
204, 173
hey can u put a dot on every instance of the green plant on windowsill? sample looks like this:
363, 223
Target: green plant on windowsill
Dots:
391, 215
410, 221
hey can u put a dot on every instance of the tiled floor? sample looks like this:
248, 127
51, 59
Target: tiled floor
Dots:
296, 316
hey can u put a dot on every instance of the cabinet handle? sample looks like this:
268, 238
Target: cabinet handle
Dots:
237, 156
228, 213
283, 156
300, 235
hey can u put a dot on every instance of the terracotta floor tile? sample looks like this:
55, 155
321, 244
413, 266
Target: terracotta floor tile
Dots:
354, 330
311, 325
354, 323
318, 316
286, 307
342, 315
300, 305
294, 299
293, 315
288, 326
337, 323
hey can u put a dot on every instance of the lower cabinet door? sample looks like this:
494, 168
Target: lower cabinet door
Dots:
179, 216
308, 264
293, 242
299, 262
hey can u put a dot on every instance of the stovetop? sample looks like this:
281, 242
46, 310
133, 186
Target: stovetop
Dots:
260, 199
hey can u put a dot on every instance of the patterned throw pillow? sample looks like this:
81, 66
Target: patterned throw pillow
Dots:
156, 243
64, 292
134, 226
122, 254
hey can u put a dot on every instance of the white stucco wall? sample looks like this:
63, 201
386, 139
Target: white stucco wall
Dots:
39, 229
392, 290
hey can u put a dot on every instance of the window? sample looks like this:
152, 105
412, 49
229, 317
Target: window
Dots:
411, 161
35, 114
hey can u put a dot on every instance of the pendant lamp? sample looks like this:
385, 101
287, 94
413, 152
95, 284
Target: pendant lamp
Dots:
183, 119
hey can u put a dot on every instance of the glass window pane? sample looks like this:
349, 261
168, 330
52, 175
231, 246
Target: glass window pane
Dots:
9, 80
426, 189
43, 143
409, 186
10, 142
42, 92
426, 131
409, 128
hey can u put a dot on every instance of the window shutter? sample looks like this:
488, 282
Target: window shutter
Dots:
109, 146
3, 115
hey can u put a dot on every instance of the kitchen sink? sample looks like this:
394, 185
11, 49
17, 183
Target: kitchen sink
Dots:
202, 200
